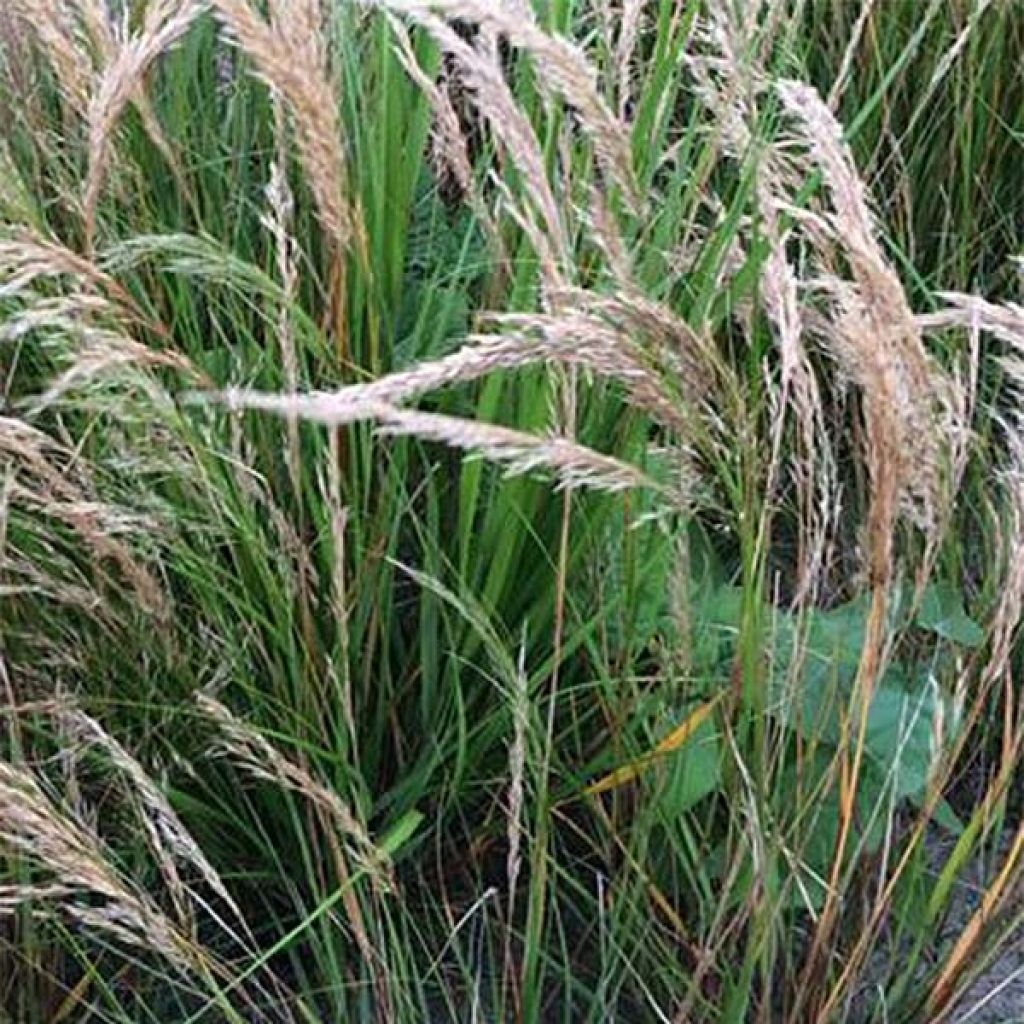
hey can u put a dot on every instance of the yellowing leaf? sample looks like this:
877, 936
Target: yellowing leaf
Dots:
672, 742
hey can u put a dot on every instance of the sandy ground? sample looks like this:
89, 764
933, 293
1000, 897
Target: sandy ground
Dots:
997, 997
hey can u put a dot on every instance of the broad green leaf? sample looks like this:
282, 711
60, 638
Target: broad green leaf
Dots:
694, 772
899, 736
723, 608
668, 746
839, 633
942, 612
943, 815
814, 827
644, 583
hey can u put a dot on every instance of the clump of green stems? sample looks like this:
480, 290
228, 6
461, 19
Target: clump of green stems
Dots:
508, 511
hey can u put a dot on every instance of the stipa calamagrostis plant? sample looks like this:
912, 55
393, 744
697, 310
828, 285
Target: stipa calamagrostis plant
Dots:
84, 337
593, 332
165, 23
64, 314
52, 840
570, 463
877, 341
44, 479
813, 464
563, 71
53, 24
26, 257
249, 749
98, 23
66, 32
516, 790
170, 841
985, 677
772, 320
914, 416
92, 891
349, 841
1009, 613
450, 149
101, 354
15, 195
31, 261
288, 54
1004, 322
869, 329
279, 222
564, 74
485, 80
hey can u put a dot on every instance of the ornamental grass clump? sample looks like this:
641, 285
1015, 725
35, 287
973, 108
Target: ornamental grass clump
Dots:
508, 510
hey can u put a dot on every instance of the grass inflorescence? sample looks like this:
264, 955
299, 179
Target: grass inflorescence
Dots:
509, 511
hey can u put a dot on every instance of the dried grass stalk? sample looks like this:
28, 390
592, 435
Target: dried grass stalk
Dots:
667, 342
450, 150
572, 464
249, 749
49, 481
32, 826
63, 315
1004, 321
97, 22
520, 700
339, 588
165, 23
449, 146
52, 24
812, 466
666, 369
971, 312
288, 55
876, 338
169, 840
562, 70
907, 408
56, 25
483, 77
26, 579
1009, 613
26, 256
101, 353
278, 222
842, 77
625, 46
